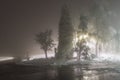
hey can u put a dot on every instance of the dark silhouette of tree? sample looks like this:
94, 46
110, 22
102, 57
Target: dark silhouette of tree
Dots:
65, 35
83, 23
45, 41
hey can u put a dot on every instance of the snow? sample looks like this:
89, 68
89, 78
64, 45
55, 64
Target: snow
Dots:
108, 57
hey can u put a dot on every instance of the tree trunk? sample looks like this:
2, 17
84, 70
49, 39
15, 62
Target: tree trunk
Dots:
79, 55
46, 56
117, 41
96, 48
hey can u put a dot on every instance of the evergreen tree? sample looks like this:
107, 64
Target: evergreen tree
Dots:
65, 35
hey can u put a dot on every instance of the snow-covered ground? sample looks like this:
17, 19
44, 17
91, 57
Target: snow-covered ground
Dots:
103, 61
108, 57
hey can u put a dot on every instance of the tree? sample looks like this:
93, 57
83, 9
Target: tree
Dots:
45, 41
81, 47
83, 23
100, 16
65, 35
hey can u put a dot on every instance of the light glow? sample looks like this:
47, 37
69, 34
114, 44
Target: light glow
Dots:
84, 36
6, 58
74, 54
91, 43
41, 56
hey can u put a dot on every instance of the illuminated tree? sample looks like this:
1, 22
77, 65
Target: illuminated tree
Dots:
81, 47
45, 41
65, 35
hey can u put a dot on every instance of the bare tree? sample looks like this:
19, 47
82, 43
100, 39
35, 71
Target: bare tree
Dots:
45, 40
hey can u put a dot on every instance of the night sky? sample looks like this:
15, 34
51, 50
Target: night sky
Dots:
21, 20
